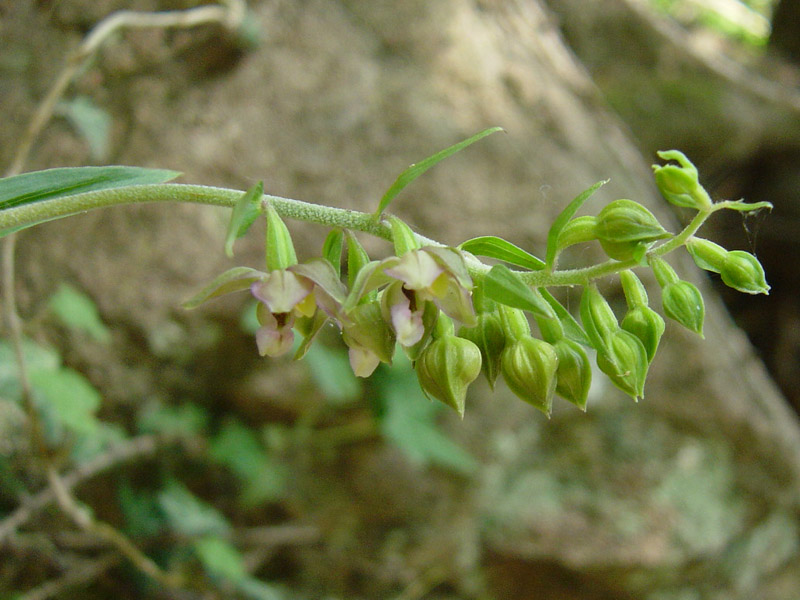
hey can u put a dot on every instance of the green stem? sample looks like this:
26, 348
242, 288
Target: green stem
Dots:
313, 213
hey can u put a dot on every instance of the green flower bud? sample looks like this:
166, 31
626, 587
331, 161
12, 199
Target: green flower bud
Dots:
598, 319
680, 185
577, 231
647, 325
706, 254
625, 228
366, 327
529, 369
445, 369
683, 303
632, 287
280, 249
624, 361
742, 271
514, 322
664, 273
488, 335
574, 373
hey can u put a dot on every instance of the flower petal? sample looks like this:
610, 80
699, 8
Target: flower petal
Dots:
282, 290
416, 269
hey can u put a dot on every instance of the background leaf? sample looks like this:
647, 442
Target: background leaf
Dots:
496, 247
187, 514
417, 169
77, 311
91, 122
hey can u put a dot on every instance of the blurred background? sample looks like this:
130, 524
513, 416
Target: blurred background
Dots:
255, 478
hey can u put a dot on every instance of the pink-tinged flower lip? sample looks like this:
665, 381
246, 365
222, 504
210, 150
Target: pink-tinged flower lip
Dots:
363, 361
407, 323
282, 290
275, 337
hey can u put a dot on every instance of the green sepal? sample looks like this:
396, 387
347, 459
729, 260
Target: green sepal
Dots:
634, 290
369, 329
572, 329
403, 238
332, 249
664, 273
243, 215
232, 280
576, 231
514, 323
308, 327
496, 247
370, 277
280, 252
529, 369
554, 235
357, 258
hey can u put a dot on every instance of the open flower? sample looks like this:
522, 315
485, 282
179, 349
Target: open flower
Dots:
283, 296
430, 274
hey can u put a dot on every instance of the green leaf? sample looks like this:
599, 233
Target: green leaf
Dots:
232, 280
77, 311
67, 398
563, 219
572, 329
408, 421
187, 514
220, 558
243, 215
184, 420
417, 169
91, 122
502, 285
496, 247
37, 358
38, 186
255, 589
332, 249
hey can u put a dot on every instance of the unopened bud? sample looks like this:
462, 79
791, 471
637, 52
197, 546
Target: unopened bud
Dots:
446, 367
488, 335
577, 231
679, 184
514, 322
574, 373
706, 254
742, 271
403, 237
280, 252
625, 228
624, 361
647, 325
529, 369
598, 319
683, 303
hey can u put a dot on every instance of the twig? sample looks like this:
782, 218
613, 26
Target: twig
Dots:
74, 577
82, 517
123, 452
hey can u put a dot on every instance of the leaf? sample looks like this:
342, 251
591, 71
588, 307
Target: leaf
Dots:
184, 420
37, 358
220, 558
67, 398
255, 589
408, 421
92, 123
572, 329
77, 311
417, 169
503, 286
243, 215
496, 247
38, 186
187, 514
332, 249
232, 280
563, 219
